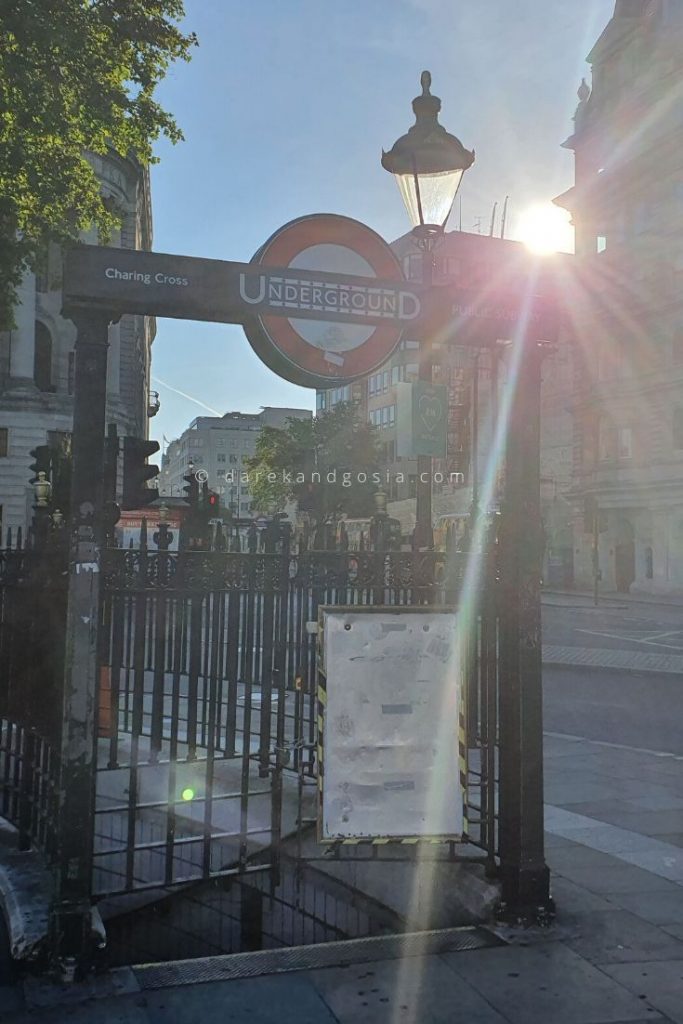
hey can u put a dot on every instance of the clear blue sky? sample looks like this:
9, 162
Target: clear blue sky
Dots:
285, 108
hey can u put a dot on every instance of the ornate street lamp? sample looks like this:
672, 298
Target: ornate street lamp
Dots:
428, 164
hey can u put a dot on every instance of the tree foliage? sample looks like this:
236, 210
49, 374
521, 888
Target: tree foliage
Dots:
76, 77
327, 465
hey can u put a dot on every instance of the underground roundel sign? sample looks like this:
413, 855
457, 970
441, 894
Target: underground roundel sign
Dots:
348, 298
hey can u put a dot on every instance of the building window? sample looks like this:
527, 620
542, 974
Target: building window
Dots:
412, 266
385, 381
220, 457
452, 267
4, 442
601, 243
42, 272
678, 428
625, 443
42, 360
233, 459
649, 564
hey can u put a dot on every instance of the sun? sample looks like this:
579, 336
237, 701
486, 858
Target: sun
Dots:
545, 228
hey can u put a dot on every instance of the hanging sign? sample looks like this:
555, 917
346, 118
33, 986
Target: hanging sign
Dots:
347, 255
422, 420
324, 302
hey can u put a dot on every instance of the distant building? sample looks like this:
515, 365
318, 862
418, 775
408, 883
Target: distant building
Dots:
627, 208
217, 447
37, 357
476, 391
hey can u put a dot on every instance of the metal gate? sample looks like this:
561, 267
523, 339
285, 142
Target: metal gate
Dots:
207, 702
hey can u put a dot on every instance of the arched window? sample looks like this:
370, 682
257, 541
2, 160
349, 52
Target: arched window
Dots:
42, 363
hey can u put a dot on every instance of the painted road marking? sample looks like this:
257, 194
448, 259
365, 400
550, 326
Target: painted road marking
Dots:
612, 746
631, 639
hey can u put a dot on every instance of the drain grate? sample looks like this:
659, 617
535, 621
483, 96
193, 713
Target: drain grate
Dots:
302, 958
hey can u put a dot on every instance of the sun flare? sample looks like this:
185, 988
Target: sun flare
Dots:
545, 228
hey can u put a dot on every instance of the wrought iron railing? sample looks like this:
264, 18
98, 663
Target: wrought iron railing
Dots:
33, 590
208, 698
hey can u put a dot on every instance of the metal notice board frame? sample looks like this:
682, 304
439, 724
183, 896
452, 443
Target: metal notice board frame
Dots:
392, 746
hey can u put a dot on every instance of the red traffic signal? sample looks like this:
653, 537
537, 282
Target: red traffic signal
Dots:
210, 500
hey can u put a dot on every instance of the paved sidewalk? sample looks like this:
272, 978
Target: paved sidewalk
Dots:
615, 846
610, 597
625, 661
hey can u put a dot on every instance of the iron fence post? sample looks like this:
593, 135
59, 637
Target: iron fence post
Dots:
524, 874
70, 924
424, 534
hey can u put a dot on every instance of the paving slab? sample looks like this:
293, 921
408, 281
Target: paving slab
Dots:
621, 878
420, 989
573, 900
119, 1011
675, 839
566, 792
547, 985
653, 855
626, 814
618, 936
266, 1000
661, 908
603, 657
660, 984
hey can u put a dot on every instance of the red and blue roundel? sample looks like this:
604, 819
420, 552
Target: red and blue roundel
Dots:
360, 323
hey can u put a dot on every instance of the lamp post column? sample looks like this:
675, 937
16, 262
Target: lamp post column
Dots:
423, 506
70, 924
524, 873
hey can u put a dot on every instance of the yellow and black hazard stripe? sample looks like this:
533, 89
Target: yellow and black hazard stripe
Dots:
398, 840
322, 704
395, 840
462, 766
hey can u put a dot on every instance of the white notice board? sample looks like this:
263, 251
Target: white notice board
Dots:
391, 724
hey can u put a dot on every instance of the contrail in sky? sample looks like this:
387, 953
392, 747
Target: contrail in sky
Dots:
184, 394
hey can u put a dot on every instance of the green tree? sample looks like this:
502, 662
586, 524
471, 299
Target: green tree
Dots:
327, 464
76, 77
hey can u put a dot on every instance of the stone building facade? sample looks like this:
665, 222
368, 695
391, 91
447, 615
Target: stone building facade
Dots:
216, 447
37, 356
627, 208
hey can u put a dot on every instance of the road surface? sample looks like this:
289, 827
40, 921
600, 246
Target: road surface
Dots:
643, 710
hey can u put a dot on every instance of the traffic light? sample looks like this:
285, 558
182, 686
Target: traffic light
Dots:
136, 472
111, 459
42, 462
210, 500
191, 490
